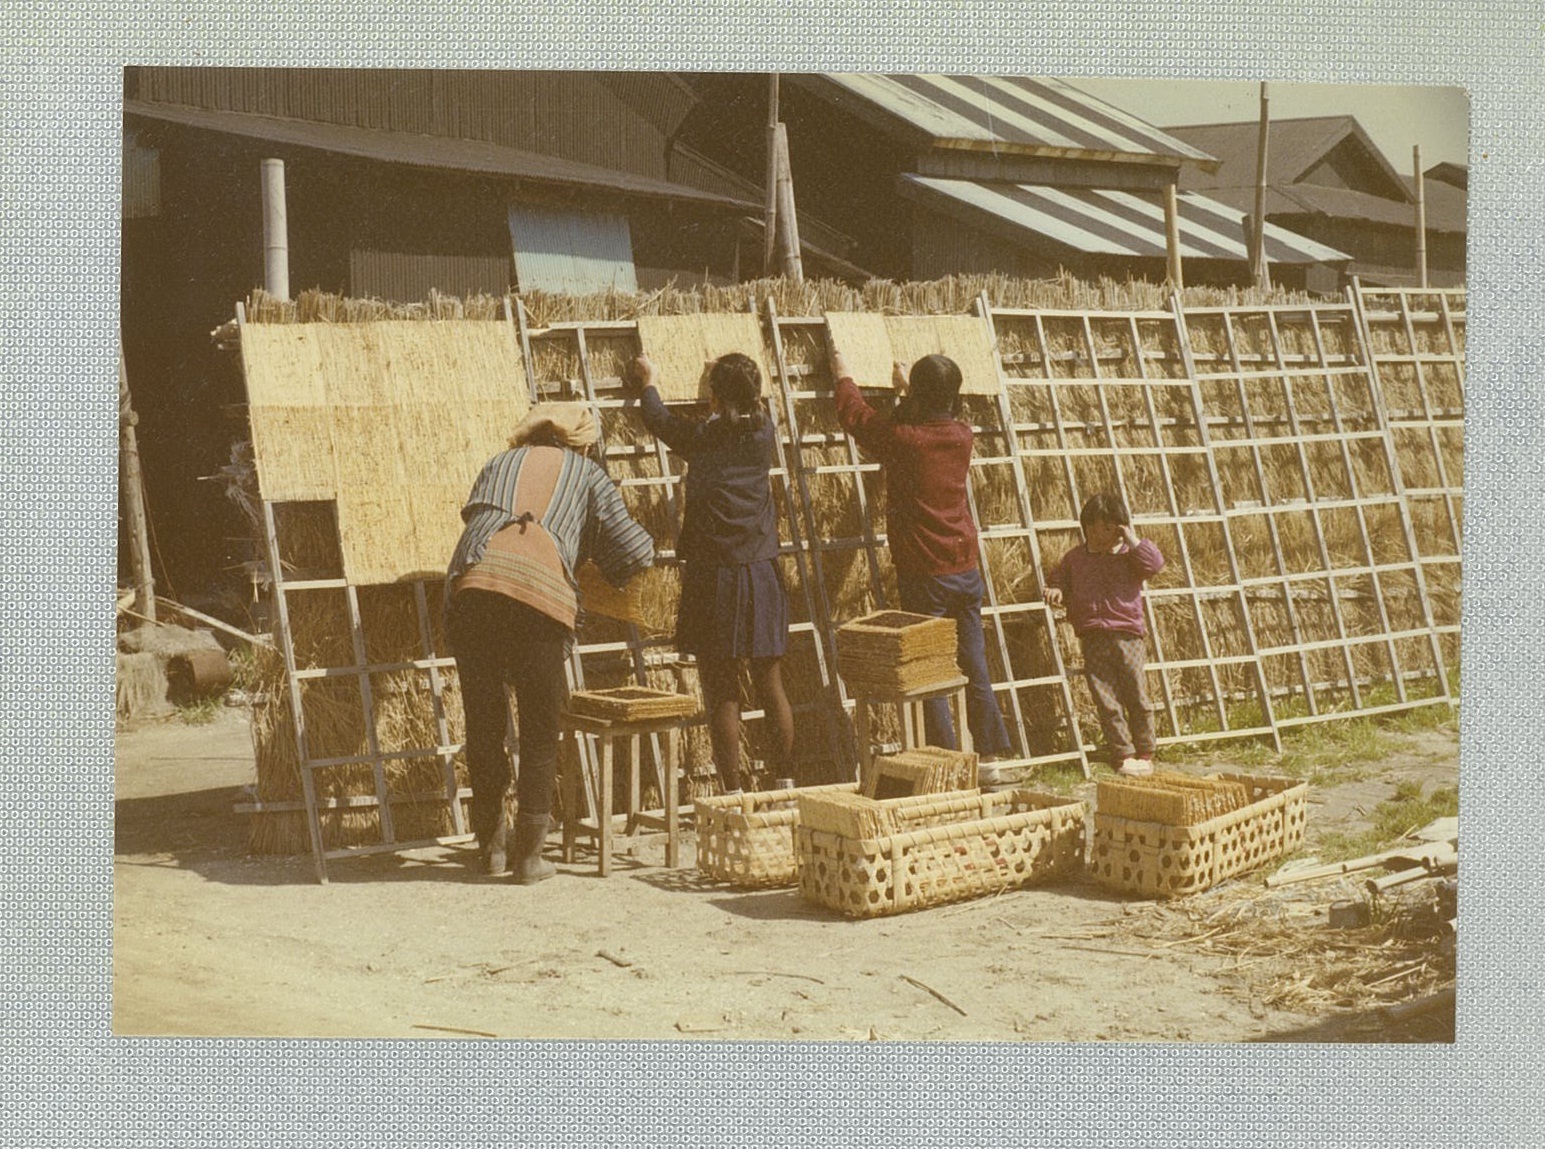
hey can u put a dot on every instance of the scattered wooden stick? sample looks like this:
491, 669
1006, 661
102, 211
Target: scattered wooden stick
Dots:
1113, 950
254, 639
454, 1029
1433, 1003
935, 993
619, 962
775, 973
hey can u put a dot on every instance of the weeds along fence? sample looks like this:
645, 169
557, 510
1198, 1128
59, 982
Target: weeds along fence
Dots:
1299, 462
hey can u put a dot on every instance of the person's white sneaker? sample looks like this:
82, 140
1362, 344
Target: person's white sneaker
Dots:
988, 776
1135, 768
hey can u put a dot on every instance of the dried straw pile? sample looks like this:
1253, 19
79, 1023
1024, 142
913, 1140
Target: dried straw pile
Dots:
1285, 956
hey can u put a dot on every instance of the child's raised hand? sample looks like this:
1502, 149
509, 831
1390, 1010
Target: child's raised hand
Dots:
899, 378
1053, 596
839, 365
1128, 535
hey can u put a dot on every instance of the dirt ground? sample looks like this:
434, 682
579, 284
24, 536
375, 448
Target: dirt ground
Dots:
210, 941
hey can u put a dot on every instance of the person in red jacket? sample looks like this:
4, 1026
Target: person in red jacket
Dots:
1102, 584
926, 453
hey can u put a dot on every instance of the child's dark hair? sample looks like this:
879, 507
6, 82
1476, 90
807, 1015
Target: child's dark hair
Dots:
1104, 508
736, 382
933, 388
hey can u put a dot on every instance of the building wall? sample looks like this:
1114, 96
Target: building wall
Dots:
614, 121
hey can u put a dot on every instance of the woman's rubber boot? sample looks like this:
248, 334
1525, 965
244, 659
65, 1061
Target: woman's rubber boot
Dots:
530, 836
495, 850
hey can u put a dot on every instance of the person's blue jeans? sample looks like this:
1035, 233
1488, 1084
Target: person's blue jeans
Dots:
959, 596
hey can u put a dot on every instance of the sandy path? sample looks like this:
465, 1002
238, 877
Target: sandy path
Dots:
208, 941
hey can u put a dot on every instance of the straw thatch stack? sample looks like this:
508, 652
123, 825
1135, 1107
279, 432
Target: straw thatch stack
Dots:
894, 651
682, 346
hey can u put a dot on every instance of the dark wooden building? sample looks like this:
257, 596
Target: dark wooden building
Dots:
936, 175
1327, 180
396, 182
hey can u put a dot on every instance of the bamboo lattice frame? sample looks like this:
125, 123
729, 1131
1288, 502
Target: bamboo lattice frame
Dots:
1276, 454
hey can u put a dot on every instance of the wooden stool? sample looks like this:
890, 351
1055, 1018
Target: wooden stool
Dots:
607, 733
911, 704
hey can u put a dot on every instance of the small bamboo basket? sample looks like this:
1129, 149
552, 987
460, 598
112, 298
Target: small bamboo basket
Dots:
1168, 859
934, 849
748, 839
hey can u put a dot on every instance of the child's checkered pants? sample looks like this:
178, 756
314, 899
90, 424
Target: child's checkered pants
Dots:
1113, 662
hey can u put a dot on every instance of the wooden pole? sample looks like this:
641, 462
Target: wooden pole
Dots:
1421, 217
770, 210
1258, 270
133, 498
1172, 236
788, 218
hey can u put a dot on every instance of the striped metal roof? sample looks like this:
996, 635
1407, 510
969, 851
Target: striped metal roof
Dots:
1020, 114
1121, 222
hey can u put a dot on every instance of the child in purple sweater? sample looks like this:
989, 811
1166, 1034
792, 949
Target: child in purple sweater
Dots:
1102, 585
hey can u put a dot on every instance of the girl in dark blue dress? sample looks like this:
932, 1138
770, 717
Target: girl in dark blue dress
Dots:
733, 604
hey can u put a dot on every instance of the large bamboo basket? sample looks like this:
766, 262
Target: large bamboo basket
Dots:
1160, 859
748, 839
943, 848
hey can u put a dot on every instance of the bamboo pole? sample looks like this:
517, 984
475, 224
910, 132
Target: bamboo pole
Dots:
1421, 219
788, 219
1172, 236
1258, 271
133, 498
770, 210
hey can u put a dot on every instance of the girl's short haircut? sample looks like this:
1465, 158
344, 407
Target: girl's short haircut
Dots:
933, 385
1104, 508
736, 382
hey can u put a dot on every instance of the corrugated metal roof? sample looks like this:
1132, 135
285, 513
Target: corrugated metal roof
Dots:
570, 251
1445, 204
428, 151
1122, 223
1028, 116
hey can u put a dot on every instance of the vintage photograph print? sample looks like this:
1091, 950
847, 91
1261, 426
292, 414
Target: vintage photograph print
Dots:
683, 556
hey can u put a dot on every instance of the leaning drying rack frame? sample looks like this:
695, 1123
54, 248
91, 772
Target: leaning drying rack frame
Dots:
1003, 443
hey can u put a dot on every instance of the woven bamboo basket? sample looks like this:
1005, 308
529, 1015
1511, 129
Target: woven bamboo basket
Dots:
1172, 798
632, 704
943, 848
748, 839
1161, 859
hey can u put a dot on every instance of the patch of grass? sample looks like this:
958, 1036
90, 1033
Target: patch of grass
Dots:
1392, 820
1056, 778
200, 713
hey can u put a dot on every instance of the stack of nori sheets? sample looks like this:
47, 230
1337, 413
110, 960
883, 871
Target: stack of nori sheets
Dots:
632, 704
924, 770
893, 652
1171, 798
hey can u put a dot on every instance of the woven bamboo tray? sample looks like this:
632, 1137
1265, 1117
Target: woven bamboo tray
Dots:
748, 839
632, 704
1165, 860
921, 770
943, 848
1169, 797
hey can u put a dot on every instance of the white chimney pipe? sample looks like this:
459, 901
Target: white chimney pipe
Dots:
276, 241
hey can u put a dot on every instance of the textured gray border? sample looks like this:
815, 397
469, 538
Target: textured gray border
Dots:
65, 1082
